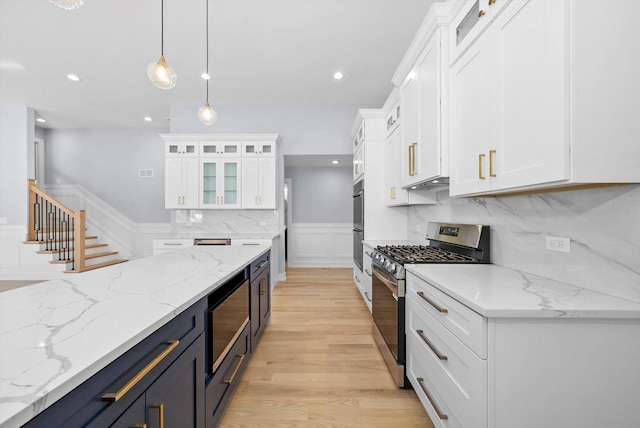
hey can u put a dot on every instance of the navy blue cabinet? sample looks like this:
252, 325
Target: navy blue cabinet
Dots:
260, 297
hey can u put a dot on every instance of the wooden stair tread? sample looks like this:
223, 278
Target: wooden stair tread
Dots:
61, 250
96, 255
97, 266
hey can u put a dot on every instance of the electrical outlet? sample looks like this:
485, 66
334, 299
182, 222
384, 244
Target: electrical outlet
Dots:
556, 243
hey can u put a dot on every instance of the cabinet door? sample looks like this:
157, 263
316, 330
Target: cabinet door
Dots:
181, 182
181, 148
410, 104
176, 399
529, 66
358, 163
258, 148
268, 183
230, 183
134, 416
394, 194
251, 183
260, 305
210, 197
428, 151
470, 120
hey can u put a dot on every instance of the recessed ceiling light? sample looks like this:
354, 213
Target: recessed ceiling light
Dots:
338, 75
414, 187
335, 162
436, 181
41, 120
73, 77
147, 119
205, 76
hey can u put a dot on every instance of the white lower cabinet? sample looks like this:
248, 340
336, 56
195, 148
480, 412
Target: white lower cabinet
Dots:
165, 245
363, 283
471, 371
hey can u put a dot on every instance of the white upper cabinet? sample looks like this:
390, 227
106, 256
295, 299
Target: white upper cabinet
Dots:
422, 78
258, 148
220, 148
221, 171
534, 103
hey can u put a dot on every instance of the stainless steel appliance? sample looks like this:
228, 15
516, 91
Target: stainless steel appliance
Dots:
448, 243
212, 241
228, 316
358, 222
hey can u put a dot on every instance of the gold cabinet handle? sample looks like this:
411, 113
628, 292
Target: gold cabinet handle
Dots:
491, 156
431, 346
393, 192
178, 200
115, 396
409, 159
481, 14
491, 2
480, 158
256, 200
429, 301
140, 426
433, 403
160, 407
413, 158
229, 380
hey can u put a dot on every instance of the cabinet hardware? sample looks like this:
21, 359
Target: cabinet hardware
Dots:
263, 287
409, 159
480, 158
256, 200
393, 192
262, 263
491, 153
140, 426
229, 380
433, 403
366, 294
178, 200
413, 159
115, 396
171, 243
160, 407
438, 308
481, 14
367, 272
491, 2
431, 346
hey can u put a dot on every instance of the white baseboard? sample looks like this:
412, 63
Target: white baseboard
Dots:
320, 245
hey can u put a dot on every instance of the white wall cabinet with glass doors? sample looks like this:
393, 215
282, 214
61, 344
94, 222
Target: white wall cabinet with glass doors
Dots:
181, 175
529, 80
221, 171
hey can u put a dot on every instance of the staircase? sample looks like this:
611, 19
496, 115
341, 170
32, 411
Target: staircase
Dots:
60, 232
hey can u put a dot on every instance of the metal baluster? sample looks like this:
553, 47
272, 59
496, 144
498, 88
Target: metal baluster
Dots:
73, 258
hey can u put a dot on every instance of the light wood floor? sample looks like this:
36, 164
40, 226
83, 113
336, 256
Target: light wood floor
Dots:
6, 285
317, 364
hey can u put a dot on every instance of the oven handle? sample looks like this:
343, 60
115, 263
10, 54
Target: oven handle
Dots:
390, 285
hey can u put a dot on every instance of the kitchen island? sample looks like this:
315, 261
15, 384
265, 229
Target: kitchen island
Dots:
489, 346
57, 334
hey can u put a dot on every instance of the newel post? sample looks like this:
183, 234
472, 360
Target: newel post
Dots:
31, 229
78, 240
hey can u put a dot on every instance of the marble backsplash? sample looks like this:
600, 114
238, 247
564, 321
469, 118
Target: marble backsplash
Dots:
224, 223
603, 225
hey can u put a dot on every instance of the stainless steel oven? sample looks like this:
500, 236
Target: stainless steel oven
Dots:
388, 315
448, 243
358, 222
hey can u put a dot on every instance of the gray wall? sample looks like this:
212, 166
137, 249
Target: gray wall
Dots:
321, 194
106, 162
16, 161
309, 129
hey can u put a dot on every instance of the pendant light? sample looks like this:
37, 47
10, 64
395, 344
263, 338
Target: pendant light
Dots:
159, 72
206, 114
67, 4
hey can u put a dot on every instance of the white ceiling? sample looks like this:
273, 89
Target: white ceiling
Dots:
261, 52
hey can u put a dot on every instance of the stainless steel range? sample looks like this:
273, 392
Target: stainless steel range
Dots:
448, 243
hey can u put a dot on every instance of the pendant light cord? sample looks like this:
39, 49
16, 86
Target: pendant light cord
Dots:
207, 44
162, 27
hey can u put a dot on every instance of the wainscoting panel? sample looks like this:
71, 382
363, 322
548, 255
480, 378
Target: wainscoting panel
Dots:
320, 245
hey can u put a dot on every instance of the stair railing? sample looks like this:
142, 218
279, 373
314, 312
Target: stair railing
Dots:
58, 227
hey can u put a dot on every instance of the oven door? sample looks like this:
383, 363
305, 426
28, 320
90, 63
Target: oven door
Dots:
388, 317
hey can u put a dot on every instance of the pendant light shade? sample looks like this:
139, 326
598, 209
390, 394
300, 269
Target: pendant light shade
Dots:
207, 115
160, 74
67, 4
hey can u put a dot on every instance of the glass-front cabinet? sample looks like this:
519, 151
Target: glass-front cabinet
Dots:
220, 183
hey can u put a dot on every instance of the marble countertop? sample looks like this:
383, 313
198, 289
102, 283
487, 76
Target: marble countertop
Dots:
200, 234
495, 291
56, 334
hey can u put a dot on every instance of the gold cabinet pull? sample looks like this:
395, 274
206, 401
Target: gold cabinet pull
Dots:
393, 192
115, 396
413, 159
429, 301
178, 200
160, 407
229, 380
140, 426
491, 2
256, 200
410, 156
480, 158
491, 156
481, 14
433, 403
431, 346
